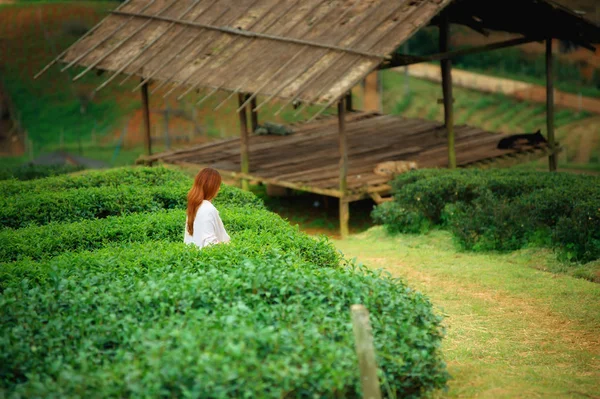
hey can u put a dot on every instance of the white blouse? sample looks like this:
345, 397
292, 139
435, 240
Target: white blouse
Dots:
208, 227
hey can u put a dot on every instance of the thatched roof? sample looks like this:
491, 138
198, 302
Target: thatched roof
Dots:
309, 50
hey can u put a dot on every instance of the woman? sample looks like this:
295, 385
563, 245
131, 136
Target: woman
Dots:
203, 226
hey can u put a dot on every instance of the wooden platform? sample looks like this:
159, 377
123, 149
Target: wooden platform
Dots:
309, 159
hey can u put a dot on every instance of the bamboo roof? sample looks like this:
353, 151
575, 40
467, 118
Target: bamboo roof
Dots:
313, 51
310, 50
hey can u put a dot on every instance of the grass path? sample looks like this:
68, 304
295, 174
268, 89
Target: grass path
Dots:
513, 330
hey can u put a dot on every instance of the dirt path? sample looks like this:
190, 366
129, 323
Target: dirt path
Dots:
513, 88
512, 331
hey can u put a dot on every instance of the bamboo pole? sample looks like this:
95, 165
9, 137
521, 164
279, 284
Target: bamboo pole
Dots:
447, 90
146, 110
363, 337
344, 204
552, 160
244, 152
254, 114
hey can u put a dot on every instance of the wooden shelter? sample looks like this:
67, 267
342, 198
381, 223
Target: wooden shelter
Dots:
313, 52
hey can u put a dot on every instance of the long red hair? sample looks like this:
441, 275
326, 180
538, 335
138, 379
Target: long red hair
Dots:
206, 185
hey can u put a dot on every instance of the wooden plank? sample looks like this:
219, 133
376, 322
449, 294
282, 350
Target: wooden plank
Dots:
283, 160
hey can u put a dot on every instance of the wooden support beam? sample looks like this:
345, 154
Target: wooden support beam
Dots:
553, 159
379, 199
447, 90
244, 147
349, 107
371, 93
254, 114
146, 112
399, 60
344, 204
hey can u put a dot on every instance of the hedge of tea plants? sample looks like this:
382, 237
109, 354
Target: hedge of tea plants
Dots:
118, 306
254, 229
116, 177
100, 194
31, 172
500, 209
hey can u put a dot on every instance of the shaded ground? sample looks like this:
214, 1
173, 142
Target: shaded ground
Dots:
512, 331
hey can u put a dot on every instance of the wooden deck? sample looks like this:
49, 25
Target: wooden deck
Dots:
309, 158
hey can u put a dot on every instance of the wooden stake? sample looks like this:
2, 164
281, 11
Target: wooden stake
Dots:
344, 205
146, 111
365, 351
447, 90
254, 114
244, 162
552, 160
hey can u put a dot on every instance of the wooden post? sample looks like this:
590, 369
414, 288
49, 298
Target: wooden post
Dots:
365, 351
447, 90
146, 111
344, 205
29, 144
166, 121
349, 107
254, 115
552, 160
244, 161
371, 92
406, 74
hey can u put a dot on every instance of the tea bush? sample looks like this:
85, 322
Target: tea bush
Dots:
119, 306
250, 228
165, 320
118, 177
89, 203
149, 194
579, 235
31, 172
499, 209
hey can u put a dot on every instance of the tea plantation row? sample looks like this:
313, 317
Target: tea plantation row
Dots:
500, 209
117, 306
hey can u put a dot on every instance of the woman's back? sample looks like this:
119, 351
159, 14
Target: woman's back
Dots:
208, 227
